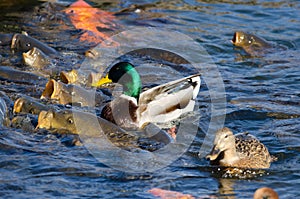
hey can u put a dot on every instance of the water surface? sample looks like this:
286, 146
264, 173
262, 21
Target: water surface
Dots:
262, 96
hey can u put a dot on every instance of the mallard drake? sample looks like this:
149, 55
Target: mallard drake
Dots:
159, 104
241, 150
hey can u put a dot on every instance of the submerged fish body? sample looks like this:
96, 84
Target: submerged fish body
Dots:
26, 104
57, 120
89, 126
73, 94
86, 125
22, 42
25, 111
73, 121
12, 75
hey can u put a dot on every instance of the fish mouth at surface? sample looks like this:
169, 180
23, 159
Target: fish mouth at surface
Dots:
18, 105
29, 57
51, 90
235, 38
44, 119
68, 77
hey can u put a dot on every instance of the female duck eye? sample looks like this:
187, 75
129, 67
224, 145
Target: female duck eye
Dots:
70, 121
226, 136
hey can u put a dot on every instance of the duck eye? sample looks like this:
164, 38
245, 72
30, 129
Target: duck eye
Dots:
70, 121
226, 136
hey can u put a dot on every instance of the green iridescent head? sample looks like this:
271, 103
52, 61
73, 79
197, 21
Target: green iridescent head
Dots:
125, 74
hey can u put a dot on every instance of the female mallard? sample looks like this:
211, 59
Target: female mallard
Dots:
242, 150
163, 103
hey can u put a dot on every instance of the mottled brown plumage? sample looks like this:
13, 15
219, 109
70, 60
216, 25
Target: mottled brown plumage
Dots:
241, 150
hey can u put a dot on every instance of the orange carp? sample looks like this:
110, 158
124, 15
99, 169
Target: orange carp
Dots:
95, 22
